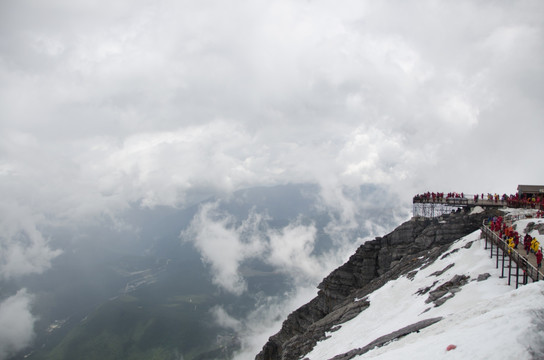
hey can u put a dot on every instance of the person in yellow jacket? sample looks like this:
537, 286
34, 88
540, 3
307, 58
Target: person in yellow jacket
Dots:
535, 245
510, 244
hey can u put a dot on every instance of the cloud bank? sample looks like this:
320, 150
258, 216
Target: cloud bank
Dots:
231, 245
103, 105
226, 243
137, 102
16, 323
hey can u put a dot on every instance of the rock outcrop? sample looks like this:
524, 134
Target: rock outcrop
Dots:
382, 340
342, 294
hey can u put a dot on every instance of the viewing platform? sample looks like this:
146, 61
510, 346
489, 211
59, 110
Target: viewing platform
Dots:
432, 204
437, 206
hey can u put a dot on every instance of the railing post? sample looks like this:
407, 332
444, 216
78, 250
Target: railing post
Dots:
509, 269
503, 256
517, 275
497, 256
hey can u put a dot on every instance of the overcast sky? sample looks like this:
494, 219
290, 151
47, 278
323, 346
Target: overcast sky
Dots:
107, 103
104, 103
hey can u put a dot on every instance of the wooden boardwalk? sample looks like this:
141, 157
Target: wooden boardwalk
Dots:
515, 262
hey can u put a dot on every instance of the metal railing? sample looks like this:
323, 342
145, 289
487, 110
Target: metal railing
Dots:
527, 269
478, 199
459, 201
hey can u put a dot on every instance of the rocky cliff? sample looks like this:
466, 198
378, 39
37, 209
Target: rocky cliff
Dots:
413, 244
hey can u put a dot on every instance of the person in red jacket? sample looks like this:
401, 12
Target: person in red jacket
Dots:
539, 258
527, 242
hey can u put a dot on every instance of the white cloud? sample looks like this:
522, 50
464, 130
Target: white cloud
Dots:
16, 323
224, 245
24, 249
291, 251
267, 318
222, 318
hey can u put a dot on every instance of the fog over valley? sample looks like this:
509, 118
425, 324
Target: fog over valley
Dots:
176, 177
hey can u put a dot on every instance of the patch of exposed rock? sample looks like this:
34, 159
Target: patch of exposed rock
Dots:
342, 294
483, 277
440, 272
383, 340
534, 226
447, 290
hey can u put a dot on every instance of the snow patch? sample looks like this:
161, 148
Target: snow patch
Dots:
483, 319
476, 210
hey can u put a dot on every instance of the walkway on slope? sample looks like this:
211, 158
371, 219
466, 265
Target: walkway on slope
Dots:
523, 261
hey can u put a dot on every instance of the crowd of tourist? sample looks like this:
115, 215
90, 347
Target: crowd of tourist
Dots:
491, 197
524, 201
512, 238
514, 201
437, 196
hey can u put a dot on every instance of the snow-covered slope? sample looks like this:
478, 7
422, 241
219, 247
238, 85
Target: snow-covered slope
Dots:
482, 319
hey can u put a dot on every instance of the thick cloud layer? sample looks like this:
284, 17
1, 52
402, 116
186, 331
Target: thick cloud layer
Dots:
106, 104
139, 101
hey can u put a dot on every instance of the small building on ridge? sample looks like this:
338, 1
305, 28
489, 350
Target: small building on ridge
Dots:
530, 191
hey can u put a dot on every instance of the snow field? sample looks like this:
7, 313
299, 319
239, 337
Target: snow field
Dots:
483, 318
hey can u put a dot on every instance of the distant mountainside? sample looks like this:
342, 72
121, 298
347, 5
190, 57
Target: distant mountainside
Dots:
343, 295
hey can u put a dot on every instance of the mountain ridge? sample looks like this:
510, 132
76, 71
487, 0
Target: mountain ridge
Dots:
411, 245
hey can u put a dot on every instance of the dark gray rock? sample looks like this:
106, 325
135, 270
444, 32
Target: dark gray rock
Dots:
534, 226
449, 253
440, 272
442, 300
530, 227
411, 275
468, 245
384, 340
448, 288
425, 290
